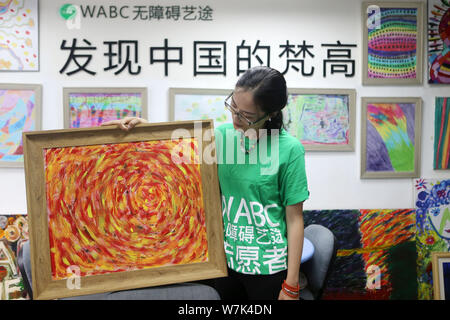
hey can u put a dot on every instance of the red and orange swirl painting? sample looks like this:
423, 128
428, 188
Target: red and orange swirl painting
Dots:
123, 207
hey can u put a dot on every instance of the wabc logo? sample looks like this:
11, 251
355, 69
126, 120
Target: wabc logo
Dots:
71, 13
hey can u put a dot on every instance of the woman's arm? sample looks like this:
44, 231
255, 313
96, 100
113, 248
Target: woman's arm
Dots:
295, 231
126, 123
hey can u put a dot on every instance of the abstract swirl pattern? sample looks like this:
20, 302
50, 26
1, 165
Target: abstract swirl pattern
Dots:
123, 207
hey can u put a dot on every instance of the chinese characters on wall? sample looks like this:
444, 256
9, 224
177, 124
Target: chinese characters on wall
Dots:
209, 57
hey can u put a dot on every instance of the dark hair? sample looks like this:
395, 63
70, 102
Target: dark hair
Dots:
269, 92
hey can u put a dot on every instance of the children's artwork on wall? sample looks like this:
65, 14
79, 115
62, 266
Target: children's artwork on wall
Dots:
20, 110
90, 107
122, 211
19, 35
432, 198
376, 257
13, 232
441, 275
390, 137
439, 41
441, 133
322, 119
199, 104
392, 42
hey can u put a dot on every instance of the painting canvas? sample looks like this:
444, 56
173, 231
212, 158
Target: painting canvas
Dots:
121, 212
19, 36
390, 142
441, 133
20, 110
376, 257
199, 104
432, 198
392, 42
13, 232
322, 119
438, 41
90, 107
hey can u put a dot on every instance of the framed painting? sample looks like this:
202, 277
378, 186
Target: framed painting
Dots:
90, 107
438, 41
13, 233
19, 23
441, 275
322, 119
390, 137
432, 204
199, 104
122, 210
20, 111
392, 43
441, 133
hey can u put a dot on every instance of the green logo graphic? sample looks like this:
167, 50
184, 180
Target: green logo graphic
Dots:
68, 11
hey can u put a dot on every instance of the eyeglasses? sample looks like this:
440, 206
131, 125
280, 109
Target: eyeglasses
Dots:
239, 114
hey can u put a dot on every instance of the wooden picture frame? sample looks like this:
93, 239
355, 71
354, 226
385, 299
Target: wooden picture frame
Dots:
40, 203
398, 161
402, 78
210, 98
105, 93
441, 287
346, 139
21, 104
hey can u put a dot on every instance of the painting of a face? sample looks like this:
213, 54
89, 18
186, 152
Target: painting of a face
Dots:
440, 221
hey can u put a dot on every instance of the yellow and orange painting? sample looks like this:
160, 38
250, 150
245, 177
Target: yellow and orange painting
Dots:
123, 207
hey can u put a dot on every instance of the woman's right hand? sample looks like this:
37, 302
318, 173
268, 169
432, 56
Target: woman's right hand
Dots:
126, 123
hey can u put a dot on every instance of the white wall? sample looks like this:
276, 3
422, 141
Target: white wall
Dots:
333, 176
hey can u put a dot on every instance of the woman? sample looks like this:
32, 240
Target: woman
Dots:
263, 185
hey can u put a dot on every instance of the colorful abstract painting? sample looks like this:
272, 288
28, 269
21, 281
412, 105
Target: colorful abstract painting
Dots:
442, 133
392, 44
88, 109
439, 41
123, 207
19, 35
19, 112
390, 137
199, 106
376, 257
13, 232
432, 198
319, 119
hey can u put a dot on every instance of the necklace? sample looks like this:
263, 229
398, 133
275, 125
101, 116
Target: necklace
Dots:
251, 147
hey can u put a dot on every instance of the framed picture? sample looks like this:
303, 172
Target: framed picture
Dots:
441, 275
392, 43
438, 41
390, 137
90, 107
19, 23
441, 133
13, 233
432, 215
122, 210
199, 104
322, 119
20, 111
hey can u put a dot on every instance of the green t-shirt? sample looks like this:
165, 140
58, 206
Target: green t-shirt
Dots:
255, 190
